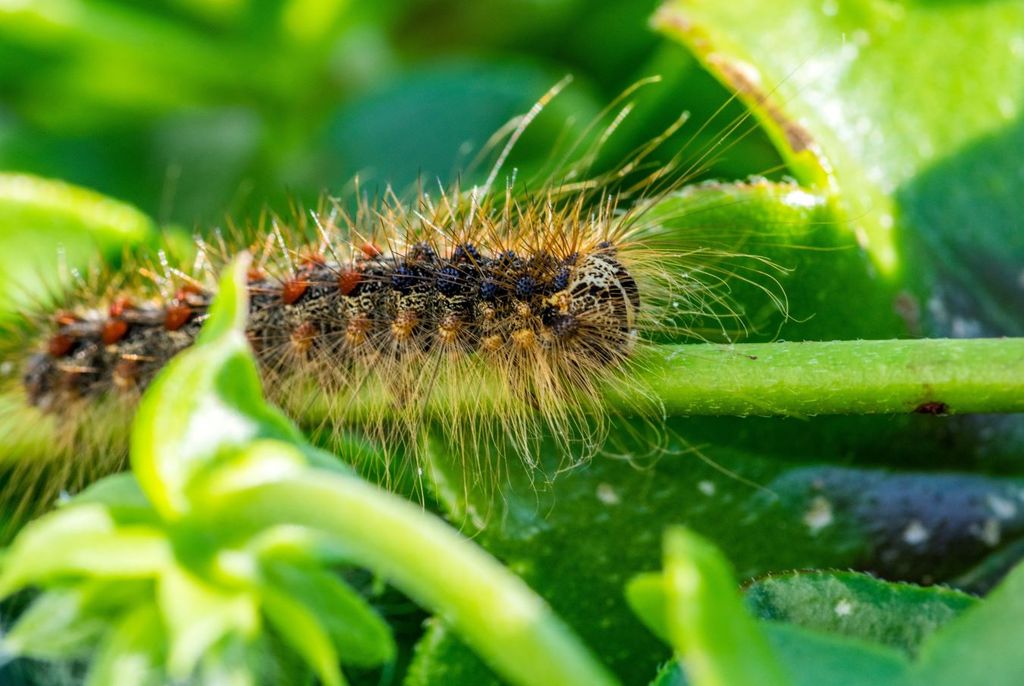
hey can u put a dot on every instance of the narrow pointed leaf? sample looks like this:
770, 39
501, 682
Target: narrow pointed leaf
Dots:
360, 635
132, 654
302, 630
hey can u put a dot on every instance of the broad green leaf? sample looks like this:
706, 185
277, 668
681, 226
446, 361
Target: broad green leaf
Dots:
789, 243
812, 658
904, 525
361, 637
755, 487
797, 229
205, 404
132, 653
981, 646
910, 113
898, 615
723, 629
984, 576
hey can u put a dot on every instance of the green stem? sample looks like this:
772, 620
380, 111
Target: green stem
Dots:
496, 613
935, 376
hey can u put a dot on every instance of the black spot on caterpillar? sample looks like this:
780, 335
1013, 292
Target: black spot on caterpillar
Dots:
489, 317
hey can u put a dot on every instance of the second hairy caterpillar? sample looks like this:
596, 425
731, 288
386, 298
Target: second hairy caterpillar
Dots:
495, 317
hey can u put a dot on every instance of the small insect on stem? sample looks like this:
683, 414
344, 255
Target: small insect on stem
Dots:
494, 316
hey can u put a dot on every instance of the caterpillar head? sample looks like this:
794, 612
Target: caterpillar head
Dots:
596, 311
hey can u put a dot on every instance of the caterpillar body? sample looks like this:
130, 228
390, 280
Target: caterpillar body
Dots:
492, 317
549, 303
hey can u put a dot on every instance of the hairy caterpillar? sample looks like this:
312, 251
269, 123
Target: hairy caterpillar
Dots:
491, 316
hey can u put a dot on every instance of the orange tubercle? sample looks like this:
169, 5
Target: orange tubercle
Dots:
348, 280
177, 316
293, 290
60, 345
113, 331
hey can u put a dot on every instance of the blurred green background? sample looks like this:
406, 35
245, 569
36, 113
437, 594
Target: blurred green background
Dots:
197, 109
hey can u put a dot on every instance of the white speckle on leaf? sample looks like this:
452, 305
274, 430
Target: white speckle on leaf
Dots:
925, 148
1017, 46
1001, 507
989, 533
916, 533
607, 495
801, 198
966, 328
213, 424
819, 514
862, 237
6, 368
843, 608
706, 487
937, 308
1007, 107
830, 8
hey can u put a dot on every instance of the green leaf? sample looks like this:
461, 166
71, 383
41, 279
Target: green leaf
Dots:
719, 642
440, 658
235, 662
757, 487
897, 615
121, 496
982, 646
58, 625
361, 637
82, 541
300, 628
197, 615
911, 114
788, 242
646, 594
907, 525
204, 405
812, 658
132, 653
502, 618
262, 460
